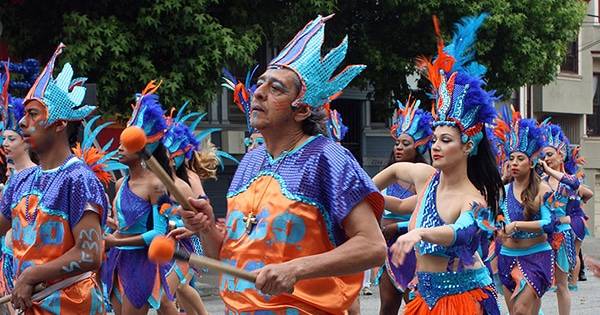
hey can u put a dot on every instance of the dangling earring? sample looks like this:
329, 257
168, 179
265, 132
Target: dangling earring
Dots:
143, 163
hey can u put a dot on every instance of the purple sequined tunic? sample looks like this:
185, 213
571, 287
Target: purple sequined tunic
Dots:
309, 192
44, 206
130, 264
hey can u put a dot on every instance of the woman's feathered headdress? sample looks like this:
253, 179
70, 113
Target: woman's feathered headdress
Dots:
414, 122
457, 83
100, 160
12, 107
149, 115
518, 134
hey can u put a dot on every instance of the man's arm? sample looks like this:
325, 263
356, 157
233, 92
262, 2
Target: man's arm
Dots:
85, 255
364, 249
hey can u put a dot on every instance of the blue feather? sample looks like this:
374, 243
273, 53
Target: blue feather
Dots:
194, 125
88, 128
107, 145
204, 133
462, 45
181, 111
187, 117
88, 140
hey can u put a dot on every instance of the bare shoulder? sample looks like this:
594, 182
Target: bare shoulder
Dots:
156, 186
473, 197
119, 183
544, 188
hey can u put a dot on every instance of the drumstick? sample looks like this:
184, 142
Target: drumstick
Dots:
162, 250
134, 139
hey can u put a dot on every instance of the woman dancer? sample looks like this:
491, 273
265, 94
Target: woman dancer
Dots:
458, 196
16, 152
139, 208
567, 192
180, 144
411, 131
525, 260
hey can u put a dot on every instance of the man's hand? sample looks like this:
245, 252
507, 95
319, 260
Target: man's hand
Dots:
21, 294
593, 265
109, 240
112, 223
180, 233
201, 218
276, 279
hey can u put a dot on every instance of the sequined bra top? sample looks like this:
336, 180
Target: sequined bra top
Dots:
466, 228
513, 211
132, 210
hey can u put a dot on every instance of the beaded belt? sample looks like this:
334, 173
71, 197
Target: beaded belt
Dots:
434, 285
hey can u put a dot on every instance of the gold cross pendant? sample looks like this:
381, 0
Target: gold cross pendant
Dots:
250, 221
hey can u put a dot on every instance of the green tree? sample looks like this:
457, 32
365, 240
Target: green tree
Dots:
522, 42
122, 44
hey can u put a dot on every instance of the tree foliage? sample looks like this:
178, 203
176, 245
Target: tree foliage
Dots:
123, 44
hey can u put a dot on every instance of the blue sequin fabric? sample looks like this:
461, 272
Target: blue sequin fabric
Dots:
513, 211
132, 210
428, 217
320, 173
64, 194
434, 285
303, 56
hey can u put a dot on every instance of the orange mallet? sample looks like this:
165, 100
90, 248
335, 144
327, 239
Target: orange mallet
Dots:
162, 250
134, 139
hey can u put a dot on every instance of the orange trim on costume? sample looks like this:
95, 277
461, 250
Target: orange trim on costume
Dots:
456, 304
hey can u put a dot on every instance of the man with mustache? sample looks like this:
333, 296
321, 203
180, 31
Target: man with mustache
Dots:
302, 214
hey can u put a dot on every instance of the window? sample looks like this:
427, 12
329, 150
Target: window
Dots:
571, 63
593, 120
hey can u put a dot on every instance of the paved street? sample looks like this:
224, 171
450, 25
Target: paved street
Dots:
584, 302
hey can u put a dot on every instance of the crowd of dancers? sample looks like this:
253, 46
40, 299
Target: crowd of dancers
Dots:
475, 202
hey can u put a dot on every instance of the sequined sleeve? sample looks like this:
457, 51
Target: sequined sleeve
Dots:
86, 189
547, 219
6, 201
570, 181
465, 228
346, 184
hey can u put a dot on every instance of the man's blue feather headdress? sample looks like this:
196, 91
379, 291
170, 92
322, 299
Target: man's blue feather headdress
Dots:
63, 96
302, 55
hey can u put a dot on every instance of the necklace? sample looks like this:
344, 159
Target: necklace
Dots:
251, 220
37, 181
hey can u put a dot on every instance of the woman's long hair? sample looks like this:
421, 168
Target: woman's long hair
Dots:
160, 154
529, 194
483, 174
181, 172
